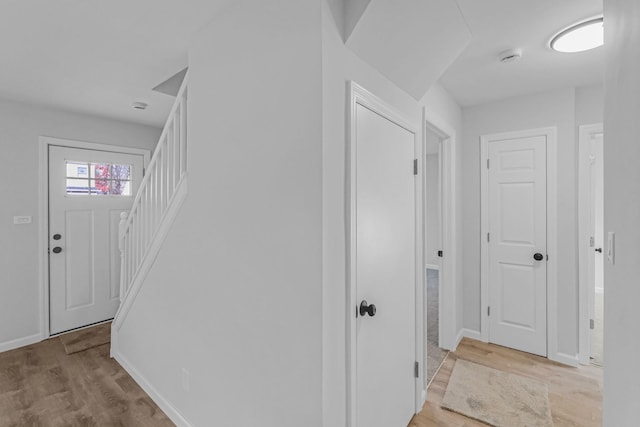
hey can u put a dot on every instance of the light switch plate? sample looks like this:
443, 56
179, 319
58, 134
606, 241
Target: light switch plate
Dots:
22, 220
611, 247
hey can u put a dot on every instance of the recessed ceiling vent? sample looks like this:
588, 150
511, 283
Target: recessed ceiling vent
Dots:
510, 55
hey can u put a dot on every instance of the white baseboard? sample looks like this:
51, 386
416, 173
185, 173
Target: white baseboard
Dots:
114, 343
162, 403
471, 334
565, 359
20, 342
432, 267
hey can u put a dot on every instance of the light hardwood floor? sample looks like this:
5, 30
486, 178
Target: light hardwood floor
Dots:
40, 385
575, 394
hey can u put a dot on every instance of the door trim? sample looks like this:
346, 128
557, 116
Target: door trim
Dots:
584, 197
360, 96
552, 241
43, 208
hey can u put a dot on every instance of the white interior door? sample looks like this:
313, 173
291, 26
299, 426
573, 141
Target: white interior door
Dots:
596, 255
517, 244
87, 191
385, 271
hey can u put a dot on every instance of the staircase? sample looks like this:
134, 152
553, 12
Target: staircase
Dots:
159, 197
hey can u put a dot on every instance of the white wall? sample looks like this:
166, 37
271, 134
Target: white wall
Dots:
21, 125
622, 213
565, 109
589, 105
236, 288
235, 295
432, 214
339, 66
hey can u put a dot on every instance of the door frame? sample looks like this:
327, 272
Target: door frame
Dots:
357, 95
43, 208
447, 314
584, 226
552, 236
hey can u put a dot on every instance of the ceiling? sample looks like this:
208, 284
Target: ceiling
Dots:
96, 56
410, 42
477, 76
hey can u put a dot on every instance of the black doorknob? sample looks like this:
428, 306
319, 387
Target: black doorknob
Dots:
57, 237
599, 250
57, 250
365, 308
538, 256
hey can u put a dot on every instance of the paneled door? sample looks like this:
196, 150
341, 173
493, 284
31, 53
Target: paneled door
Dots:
517, 220
385, 268
596, 257
88, 189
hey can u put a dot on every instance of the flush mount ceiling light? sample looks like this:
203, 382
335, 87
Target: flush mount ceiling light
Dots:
579, 37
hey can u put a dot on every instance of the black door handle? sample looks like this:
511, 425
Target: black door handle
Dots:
599, 250
366, 308
57, 250
538, 256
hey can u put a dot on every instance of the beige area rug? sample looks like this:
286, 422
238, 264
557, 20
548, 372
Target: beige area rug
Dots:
85, 339
497, 398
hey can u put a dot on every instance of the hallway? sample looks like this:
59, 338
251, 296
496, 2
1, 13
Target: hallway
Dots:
575, 394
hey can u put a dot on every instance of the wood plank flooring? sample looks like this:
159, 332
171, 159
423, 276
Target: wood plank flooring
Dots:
40, 385
575, 394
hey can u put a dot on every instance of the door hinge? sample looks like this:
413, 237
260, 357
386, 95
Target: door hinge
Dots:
592, 324
440, 253
488, 310
488, 237
592, 242
144, 171
415, 166
487, 163
416, 370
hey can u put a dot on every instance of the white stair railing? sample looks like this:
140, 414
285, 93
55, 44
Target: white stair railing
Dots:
143, 228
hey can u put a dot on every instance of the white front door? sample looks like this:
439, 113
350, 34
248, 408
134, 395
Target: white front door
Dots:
385, 256
517, 243
88, 190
